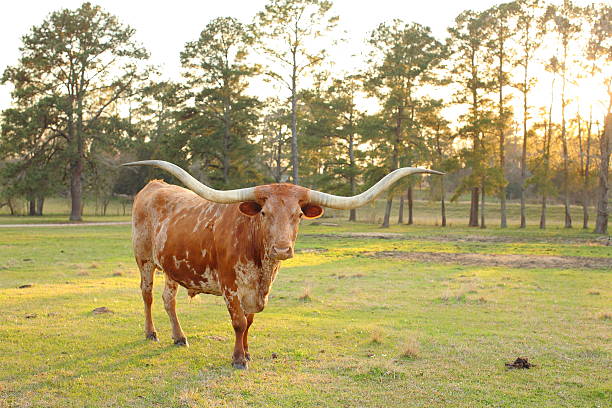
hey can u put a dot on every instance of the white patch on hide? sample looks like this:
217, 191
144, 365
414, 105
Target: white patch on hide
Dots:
253, 284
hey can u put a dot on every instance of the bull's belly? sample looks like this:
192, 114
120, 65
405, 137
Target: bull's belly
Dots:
195, 280
196, 287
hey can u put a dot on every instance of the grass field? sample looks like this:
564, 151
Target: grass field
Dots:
349, 328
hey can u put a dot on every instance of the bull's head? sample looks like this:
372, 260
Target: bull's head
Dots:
279, 207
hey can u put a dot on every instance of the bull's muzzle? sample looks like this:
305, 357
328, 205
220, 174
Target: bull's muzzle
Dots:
281, 252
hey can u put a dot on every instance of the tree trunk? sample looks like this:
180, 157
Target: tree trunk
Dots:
410, 206
605, 142
547, 139
105, 204
353, 185
587, 165
546, 151
502, 137
40, 202
76, 171
278, 172
482, 206
395, 165
77, 162
226, 139
32, 206
566, 198
543, 212
524, 152
474, 208
385, 223
11, 206
443, 204
294, 141
400, 217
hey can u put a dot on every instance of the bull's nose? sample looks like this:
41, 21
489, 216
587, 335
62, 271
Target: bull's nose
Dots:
282, 252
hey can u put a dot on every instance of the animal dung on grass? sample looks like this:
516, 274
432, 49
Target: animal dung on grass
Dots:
520, 362
102, 310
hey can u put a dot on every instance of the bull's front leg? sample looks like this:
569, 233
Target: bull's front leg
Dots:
245, 342
240, 324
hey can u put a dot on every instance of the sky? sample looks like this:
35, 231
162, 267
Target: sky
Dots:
165, 27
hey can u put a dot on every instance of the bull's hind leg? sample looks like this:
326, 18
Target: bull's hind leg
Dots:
147, 268
169, 297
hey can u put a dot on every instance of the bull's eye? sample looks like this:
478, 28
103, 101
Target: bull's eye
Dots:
263, 214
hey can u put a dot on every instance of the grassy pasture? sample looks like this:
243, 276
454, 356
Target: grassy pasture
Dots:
347, 329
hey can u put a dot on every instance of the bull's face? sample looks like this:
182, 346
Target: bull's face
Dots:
279, 210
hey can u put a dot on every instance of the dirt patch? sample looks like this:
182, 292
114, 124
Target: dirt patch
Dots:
508, 260
600, 241
311, 250
216, 338
373, 235
520, 362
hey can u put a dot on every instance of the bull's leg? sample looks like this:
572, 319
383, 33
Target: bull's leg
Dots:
169, 297
239, 322
245, 343
147, 268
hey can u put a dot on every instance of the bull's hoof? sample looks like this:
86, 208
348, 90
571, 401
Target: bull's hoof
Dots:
240, 366
152, 336
247, 356
181, 342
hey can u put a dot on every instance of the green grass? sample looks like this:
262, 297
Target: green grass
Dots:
346, 345
58, 206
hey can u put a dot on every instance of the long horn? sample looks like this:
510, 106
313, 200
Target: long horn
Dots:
348, 203
217, 196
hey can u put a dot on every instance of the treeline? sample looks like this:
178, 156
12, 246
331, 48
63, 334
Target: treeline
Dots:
85, 100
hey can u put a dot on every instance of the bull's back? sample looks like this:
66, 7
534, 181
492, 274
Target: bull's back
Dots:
173, 227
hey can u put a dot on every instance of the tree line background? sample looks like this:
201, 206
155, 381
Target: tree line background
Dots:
474, 105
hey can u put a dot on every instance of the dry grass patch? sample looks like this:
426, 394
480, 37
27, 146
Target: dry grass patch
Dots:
410, 349
376, 337
605, 316
305, 296
191, 398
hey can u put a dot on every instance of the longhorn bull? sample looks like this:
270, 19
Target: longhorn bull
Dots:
224, 243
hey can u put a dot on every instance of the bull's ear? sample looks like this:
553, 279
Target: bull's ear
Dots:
250, 208
312, 211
